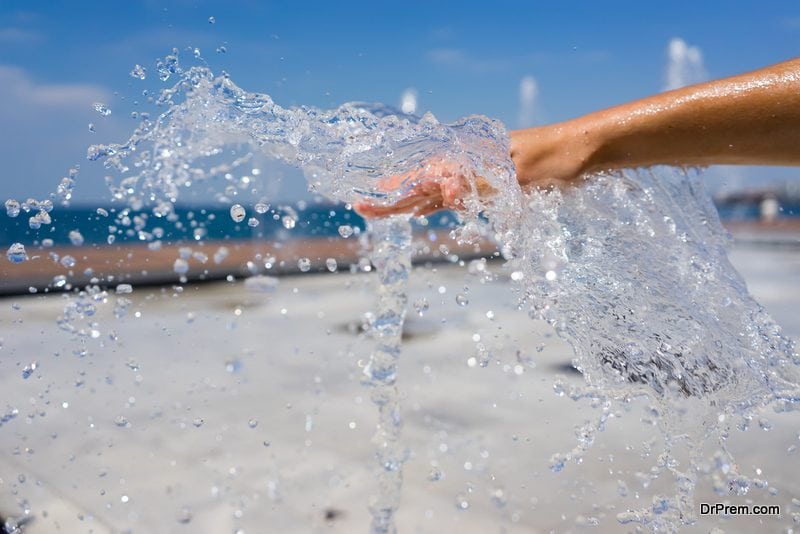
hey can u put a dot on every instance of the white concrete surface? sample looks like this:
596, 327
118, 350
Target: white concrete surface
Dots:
151, 432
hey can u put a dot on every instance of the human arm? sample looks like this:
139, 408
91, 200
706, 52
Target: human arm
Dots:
752, 118
749, 119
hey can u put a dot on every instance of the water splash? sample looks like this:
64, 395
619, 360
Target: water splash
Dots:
391, 256
630, 269
633, 271
342, 151
16, 253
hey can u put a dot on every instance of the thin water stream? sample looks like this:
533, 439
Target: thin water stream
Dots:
391, 256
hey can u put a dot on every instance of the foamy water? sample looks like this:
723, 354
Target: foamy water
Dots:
630, 269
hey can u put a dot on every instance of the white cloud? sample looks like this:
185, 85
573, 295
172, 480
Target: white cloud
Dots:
45, 132
444, 33
528, 95
684, 65
18, 91
13, 35
791, 23
447, 56
408, 101
453, 57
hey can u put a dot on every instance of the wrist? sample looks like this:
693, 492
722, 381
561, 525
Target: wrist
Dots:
558, 154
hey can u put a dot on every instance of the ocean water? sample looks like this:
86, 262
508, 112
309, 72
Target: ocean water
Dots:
311, 220
630, 269
187, 224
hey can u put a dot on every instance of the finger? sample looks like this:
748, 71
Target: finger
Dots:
417, 205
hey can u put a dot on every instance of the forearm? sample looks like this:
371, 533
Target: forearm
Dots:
752, 118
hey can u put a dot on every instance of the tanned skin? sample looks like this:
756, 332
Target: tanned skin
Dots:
749, 119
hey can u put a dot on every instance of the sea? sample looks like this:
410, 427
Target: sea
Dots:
302, 220
117, 225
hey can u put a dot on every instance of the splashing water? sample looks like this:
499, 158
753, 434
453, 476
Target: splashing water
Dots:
631, 270
392, 259
342, 153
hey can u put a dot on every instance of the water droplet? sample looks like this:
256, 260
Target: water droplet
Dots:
252, 222
252, 423
517, 276
557, 463
138, 72
59, 280
233, 366
167, 67
421, 306
121, 421
44, 217
331, 264
30, 204
220, 255
102, 109
12, 207
124, 289
184, 515
289, 221
462, 299
68, 262
180, 266
739, 486
238, 213
28, 370
345, 230
212, 20
261, 207
16, 253
198, 422
304, 264
435, 474
76, 238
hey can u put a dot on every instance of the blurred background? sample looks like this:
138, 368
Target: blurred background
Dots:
525, 63
232, 406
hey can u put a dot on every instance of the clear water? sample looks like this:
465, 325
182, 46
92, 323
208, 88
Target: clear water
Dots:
631, 270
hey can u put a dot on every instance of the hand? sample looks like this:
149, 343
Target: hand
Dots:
437, 185
548, 156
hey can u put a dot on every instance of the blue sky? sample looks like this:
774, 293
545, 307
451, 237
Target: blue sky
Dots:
58, 58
